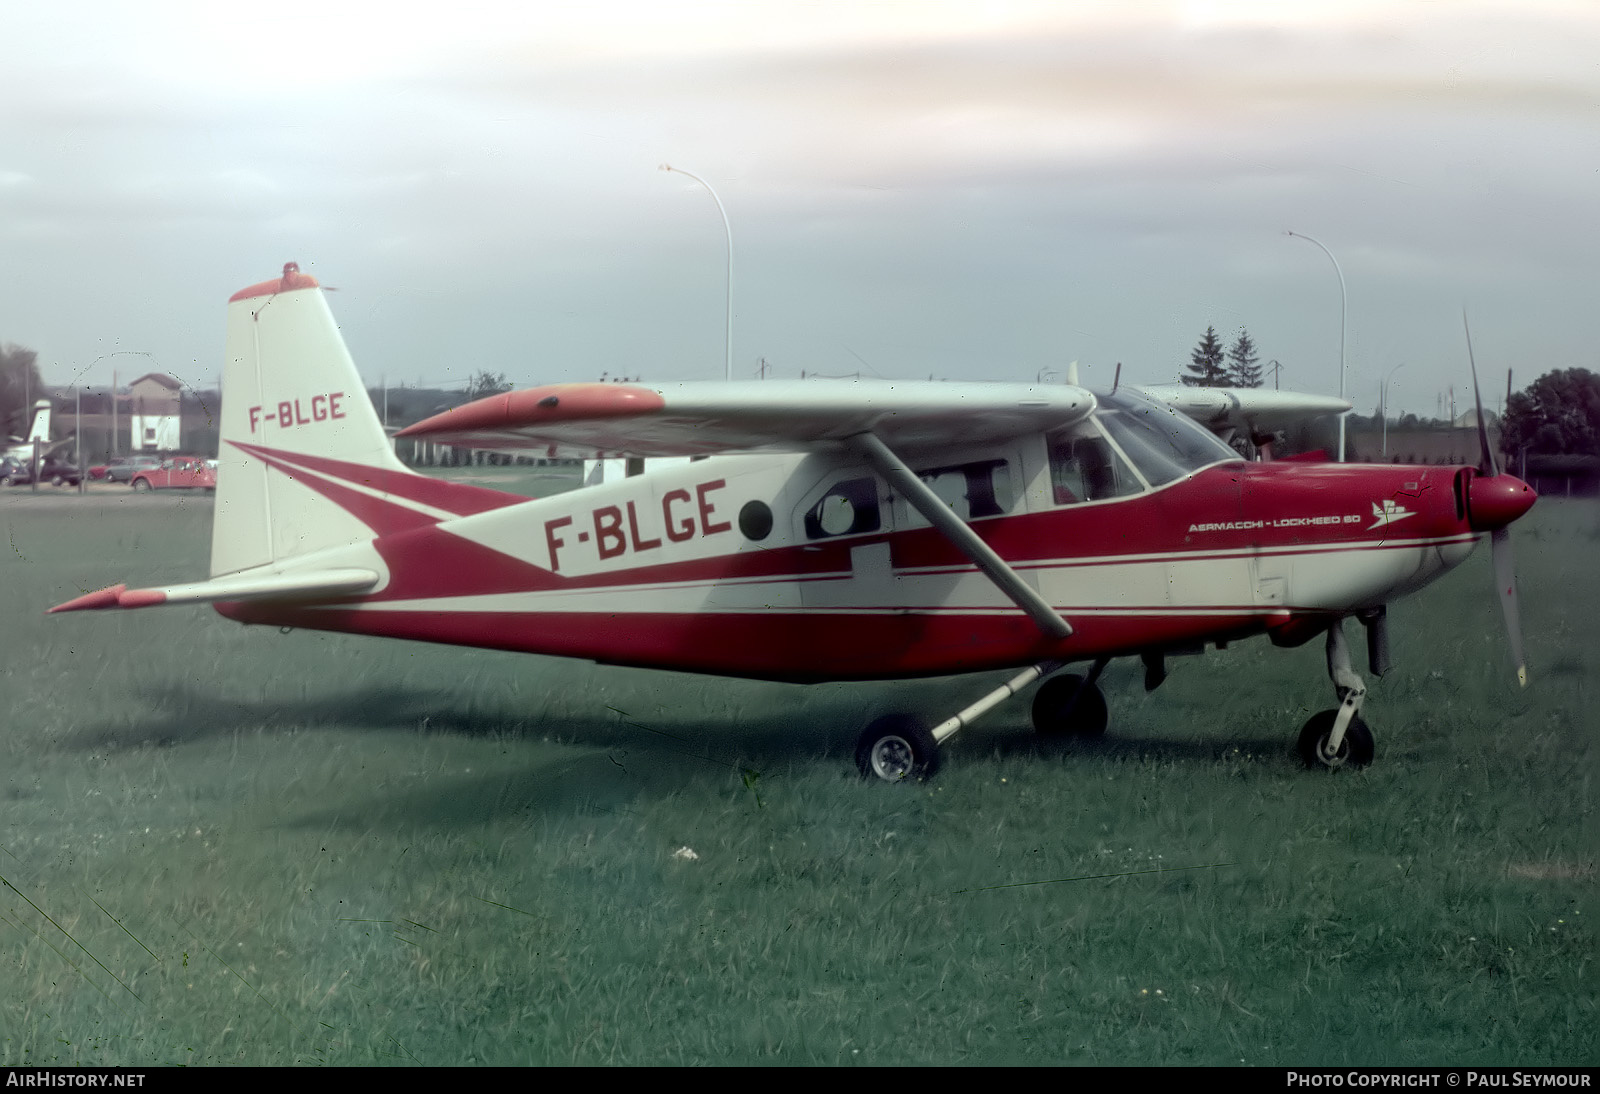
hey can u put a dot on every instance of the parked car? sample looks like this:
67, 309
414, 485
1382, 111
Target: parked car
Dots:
13, 472
123, 468
56, 472
177, 473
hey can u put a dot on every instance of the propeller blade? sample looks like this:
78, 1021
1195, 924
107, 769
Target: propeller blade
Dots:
1486, 463
1505, 580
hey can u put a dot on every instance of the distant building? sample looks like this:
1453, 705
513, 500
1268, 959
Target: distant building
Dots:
155, 413
1559, 476
1469, 420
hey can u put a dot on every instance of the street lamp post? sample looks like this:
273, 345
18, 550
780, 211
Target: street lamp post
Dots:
1343, 309
728, 231
1383, 406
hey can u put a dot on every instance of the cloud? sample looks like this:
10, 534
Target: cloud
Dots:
961, 188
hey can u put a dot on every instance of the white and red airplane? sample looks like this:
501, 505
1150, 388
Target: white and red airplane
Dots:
23, 448
837, 531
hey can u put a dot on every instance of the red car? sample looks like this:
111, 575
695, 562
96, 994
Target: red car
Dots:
178, 473
122, 468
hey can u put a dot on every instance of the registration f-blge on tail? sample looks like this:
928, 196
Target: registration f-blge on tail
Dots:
838, 531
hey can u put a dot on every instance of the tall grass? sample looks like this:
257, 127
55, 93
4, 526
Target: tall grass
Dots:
226, 844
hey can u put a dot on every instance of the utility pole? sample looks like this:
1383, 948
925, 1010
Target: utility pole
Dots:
1383, 406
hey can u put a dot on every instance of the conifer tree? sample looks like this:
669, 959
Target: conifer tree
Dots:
1243, 371
1207, 367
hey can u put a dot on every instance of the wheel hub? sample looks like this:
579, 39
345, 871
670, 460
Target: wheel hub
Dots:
1332, 758
892, 758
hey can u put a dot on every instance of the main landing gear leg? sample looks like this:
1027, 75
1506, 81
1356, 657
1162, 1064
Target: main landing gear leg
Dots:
897, 746
1339, 738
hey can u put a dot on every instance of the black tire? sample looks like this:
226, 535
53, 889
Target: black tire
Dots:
1066, 705
141, 486
58, 480
897, 747
1356, 750
6, 480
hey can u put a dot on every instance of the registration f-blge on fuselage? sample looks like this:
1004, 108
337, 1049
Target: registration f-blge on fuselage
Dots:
836, 531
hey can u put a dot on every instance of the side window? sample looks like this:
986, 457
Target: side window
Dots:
972, 490
1088, 469
848, 508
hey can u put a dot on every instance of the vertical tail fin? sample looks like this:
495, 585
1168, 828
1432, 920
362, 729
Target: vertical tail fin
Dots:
301, 445
41, 422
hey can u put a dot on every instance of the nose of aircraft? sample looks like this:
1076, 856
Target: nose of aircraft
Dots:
1494, 501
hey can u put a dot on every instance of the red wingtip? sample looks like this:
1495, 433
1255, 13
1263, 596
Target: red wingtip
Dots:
292, 279
531, 406
141, 598
100, 598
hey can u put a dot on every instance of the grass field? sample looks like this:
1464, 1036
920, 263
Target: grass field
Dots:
229, 845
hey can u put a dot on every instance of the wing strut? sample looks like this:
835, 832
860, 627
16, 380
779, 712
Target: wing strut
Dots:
871, 448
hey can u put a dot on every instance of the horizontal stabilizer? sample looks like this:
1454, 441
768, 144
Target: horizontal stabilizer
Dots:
592, 420
246, 586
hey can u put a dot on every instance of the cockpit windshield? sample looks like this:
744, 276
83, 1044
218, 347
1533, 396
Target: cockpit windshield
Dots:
1163, 443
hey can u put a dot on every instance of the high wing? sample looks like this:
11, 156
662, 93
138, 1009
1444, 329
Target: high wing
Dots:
1253, 410
881, 422
592, 420
24, 450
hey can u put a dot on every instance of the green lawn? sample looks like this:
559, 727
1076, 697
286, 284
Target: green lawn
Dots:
229, 845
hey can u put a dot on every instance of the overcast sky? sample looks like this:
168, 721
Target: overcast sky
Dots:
962, 190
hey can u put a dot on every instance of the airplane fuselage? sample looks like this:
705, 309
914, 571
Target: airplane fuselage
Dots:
807, 568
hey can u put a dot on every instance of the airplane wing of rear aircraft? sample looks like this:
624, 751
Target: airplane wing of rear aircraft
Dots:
701, 419
1251, 409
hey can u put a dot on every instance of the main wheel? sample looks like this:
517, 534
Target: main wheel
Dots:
1355, 750
1067, 705
897, 747
141, 486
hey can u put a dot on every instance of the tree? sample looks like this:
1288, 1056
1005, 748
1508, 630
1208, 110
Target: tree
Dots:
1207, 363
20, 388
486, 383
1558, 414
1243, 371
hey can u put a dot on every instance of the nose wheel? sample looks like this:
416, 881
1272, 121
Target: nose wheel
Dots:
1316, 749
1339, 738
